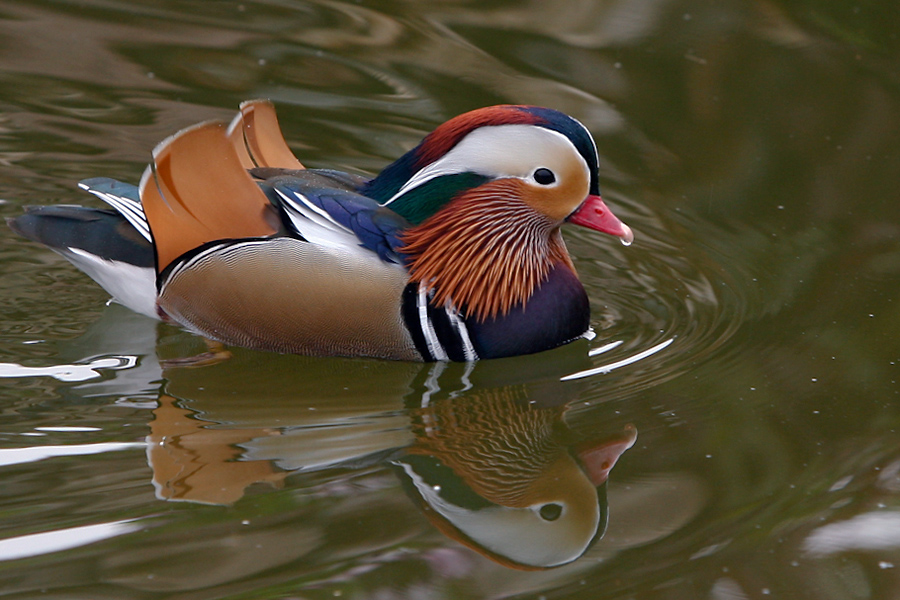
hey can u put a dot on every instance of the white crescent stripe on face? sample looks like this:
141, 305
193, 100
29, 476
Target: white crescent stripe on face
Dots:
499, 151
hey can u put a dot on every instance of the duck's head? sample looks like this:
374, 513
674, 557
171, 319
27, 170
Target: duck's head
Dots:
486, 194
540, 155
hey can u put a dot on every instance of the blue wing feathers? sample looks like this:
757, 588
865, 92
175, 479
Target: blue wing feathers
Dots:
377, 228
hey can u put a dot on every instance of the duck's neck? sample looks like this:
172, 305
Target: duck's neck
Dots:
486, 252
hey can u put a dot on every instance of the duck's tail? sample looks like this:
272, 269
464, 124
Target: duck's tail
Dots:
100, 242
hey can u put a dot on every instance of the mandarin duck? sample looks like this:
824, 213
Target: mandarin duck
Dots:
453, 252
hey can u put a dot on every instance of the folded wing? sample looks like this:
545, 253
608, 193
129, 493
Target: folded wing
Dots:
256, 137
197, 191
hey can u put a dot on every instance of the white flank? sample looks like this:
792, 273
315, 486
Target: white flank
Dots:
131, 286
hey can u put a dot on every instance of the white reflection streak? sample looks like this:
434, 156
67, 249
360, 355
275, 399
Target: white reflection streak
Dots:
605, 348
868, 531
36, 544
64, 429
622, 363
69, 372
18, 456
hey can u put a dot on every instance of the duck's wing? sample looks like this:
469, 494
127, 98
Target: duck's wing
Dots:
124, 197
337, 217
328, 178
197, 191
120, 236
295, 269
257, 140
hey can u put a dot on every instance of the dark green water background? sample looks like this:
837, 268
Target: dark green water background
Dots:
754, 147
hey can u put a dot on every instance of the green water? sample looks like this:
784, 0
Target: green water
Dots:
752, 146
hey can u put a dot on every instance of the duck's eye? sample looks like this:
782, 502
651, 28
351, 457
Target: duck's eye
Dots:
544, 176
550, 512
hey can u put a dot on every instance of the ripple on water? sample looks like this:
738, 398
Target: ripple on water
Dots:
667, 302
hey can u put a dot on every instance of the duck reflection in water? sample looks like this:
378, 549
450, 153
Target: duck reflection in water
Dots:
483, 449
495, 473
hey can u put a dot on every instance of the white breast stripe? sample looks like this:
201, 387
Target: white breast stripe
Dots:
462, 330
431, 339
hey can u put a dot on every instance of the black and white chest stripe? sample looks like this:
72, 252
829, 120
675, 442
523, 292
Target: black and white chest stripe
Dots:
438, 332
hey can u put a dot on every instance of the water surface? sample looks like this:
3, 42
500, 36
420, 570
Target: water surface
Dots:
751, 146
